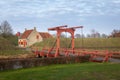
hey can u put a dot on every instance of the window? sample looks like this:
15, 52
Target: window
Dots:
21, 43
37, 37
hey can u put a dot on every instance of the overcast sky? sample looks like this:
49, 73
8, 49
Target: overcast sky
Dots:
101, 15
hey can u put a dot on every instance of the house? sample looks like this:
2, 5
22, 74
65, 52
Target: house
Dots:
29, 37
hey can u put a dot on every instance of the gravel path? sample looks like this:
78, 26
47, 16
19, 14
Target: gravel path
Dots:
114, 60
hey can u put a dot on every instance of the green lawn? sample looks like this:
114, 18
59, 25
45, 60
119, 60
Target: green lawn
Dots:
83, 71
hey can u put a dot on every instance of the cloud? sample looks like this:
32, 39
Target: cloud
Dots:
116, 1
43, 8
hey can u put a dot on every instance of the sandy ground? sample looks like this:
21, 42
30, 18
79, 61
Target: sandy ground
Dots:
31, 55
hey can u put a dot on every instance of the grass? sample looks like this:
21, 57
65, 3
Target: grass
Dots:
90, 43
84, 71
8, 46
5, 44
13, 52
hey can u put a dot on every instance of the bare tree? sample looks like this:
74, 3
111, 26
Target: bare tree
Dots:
88, 36
78, 36
104, 35
115, 33
63, 35
5, 28
93, 33
97, 35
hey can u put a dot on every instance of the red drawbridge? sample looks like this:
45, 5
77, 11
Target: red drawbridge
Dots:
95, 55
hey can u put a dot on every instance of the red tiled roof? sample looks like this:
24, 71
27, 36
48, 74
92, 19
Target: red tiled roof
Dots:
26, 34
45, 35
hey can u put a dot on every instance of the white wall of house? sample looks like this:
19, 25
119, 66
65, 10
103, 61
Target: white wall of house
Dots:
33, 38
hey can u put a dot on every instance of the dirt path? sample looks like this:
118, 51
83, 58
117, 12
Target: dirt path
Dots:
20, 56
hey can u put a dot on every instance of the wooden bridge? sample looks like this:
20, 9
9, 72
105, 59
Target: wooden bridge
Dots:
95, 55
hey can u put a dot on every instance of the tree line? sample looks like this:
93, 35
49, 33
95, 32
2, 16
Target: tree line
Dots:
93, 34
6, 30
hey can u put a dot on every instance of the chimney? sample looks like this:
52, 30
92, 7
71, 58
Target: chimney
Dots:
35, 28
25, 29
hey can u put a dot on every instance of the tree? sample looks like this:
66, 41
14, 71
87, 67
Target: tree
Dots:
97, 35
82, 36
104, 35
5, 28
63, 35
93, 33
88, 35
115, 33
77, 36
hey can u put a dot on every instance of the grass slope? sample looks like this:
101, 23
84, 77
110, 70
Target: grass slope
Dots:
90, 43
8, 46
84, 71
5, 44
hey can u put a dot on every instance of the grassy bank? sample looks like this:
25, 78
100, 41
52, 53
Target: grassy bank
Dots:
13, 52
84, 71
8, 46
87, 43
